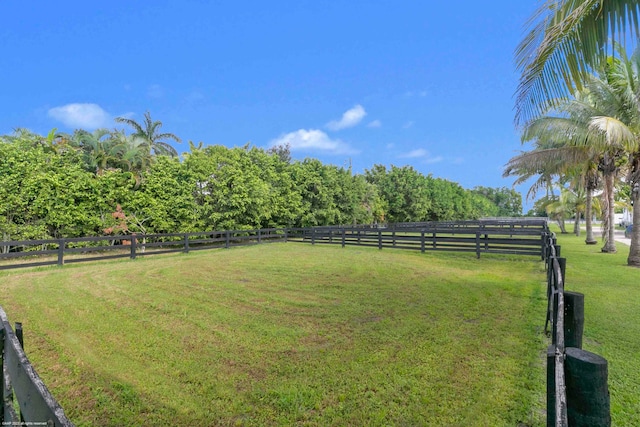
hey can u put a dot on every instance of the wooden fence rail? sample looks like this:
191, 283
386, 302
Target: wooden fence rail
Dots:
22, 388
517, 237
32, 253
577, 389
424, 238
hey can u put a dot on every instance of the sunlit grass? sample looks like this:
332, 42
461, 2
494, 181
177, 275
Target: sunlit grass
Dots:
286, 334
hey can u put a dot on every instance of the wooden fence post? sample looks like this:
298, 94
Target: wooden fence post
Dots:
227, 240
563, 268
313, 236
478, 245
588, 401
259, 236
20, 334
343, 237
379, 239
186, 243
573, 319
551, 386
61, 245
422, 241
133, 246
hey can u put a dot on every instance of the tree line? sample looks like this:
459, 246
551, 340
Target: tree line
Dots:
110, 182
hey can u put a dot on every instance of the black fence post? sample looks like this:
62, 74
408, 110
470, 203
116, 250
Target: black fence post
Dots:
422, 241
313, 236
551, 386
186, 243
379, 239
573, 319
20, 334
259, 236
133, 246
227, 240
61, 246
563, 268
343, 237
478, 245
588, 401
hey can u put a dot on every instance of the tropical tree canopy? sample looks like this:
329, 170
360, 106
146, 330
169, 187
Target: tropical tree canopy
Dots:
567, 40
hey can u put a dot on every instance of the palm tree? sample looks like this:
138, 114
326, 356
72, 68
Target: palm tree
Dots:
132, 154
567, 41
99, 149
149, 131
594, 123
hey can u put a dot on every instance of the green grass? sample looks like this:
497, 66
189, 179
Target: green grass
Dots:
291, 334
612, 318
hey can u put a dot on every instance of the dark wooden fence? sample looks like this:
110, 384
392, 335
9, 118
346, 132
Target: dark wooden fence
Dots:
518, 237
577, 380
31, 253
26, 400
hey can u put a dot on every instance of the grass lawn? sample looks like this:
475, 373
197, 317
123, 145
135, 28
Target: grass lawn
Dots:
612, 318
293, 334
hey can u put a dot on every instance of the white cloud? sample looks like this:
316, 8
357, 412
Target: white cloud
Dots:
375, 124
85, 116
423, 154
312, 140
349, 119
420, 152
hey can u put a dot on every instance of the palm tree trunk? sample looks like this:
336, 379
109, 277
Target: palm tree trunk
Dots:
588, 216
576, 224
634, 250
609, 223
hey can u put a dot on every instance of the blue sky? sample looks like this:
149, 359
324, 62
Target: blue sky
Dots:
420, 83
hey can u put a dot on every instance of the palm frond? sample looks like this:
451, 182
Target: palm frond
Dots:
567, 41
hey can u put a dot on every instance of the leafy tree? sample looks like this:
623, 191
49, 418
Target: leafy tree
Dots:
404, 190
165, 203
316, 184
507, 200
227, 188
480, 206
